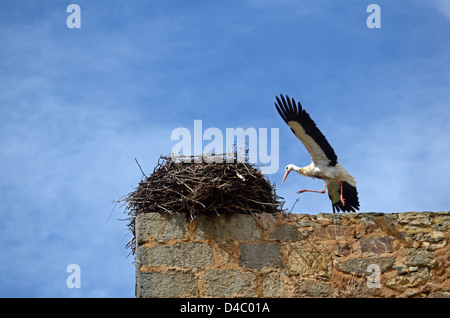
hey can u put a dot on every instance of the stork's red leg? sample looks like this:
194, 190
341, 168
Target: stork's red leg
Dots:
342, 191
324, 188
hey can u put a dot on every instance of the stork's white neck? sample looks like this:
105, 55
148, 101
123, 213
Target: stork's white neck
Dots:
304, 171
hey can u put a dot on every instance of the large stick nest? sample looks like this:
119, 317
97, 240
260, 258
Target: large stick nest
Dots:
208, 184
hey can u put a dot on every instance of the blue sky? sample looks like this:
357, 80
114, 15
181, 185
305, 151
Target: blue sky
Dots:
78, 105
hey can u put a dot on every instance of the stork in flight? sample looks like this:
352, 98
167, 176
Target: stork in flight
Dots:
341, 185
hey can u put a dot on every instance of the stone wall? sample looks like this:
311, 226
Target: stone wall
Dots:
293, 255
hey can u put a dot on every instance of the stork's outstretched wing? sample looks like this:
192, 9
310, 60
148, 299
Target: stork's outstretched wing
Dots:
306, 130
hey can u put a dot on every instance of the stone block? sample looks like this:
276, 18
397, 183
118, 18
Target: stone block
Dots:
433, 240
343, 249
401, 269
369, 223
376, 245
240, 227
414, 219
273, 284
331, 218
359, 265
313, 289
333, 232
159, 226
260, 255
441, 221
409, 280
170, 284
187, 255
310, 259
286, 232
229, 283
419, 257
386, 222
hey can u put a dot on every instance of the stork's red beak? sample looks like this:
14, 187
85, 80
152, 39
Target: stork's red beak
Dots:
285, 175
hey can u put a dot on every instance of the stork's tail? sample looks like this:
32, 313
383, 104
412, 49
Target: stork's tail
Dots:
350, 197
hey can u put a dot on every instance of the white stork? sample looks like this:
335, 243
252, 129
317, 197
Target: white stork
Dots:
341, 185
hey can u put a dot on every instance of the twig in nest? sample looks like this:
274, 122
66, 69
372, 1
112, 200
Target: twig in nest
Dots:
140, 168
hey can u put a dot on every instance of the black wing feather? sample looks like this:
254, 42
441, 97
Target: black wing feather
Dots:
351, 199
292, 111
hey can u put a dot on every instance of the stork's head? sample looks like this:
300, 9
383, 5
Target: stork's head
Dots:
288, 169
